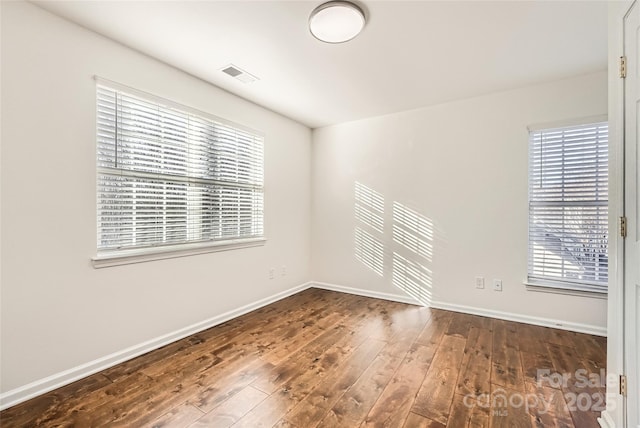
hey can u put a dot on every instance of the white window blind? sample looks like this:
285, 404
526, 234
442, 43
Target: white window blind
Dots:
169, 176
568, 207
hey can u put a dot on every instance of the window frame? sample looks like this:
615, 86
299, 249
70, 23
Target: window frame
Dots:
552, 284
126, 255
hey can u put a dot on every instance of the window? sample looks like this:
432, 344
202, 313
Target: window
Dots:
169, 176
568, 207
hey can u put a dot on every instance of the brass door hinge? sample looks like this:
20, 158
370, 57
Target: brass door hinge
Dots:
623, 67
623, 385
623, 227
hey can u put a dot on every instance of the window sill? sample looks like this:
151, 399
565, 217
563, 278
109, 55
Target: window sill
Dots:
563, 288
125, 257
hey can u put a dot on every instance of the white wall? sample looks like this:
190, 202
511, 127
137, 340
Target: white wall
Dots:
59, 312
462, 168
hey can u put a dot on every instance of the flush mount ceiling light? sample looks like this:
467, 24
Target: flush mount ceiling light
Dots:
336, 21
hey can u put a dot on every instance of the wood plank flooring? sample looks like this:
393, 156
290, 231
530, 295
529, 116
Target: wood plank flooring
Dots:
326, 359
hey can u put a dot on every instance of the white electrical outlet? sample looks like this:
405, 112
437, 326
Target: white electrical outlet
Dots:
283, 270
497, 285
479, 282
272, 273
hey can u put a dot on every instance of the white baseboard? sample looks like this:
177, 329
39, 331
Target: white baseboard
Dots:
42, 386
544, 322
365, 293
606, 421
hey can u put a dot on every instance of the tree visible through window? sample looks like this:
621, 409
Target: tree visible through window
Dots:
568, 207
169, 176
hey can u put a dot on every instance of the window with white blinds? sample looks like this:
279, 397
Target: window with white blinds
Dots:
168, 175
568, 207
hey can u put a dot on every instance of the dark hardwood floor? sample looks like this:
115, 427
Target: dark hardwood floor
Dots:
321, 358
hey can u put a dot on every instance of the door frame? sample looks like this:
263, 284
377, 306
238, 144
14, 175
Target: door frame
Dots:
614, 416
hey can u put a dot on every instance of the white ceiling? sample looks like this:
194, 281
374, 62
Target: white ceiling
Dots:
411, 54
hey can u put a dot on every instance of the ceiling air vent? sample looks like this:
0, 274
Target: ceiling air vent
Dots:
239, 74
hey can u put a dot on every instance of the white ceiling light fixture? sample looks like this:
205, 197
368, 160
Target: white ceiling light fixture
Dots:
336, 21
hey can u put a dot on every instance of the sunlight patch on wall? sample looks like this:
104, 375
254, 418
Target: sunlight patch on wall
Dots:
369, 207
413, 231
369, 251
413, 278
413, 253
369, 216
